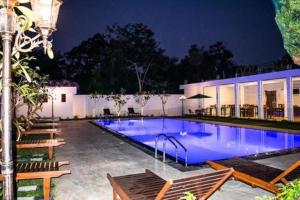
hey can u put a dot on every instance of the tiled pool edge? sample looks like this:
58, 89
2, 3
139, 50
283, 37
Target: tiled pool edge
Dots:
180, 165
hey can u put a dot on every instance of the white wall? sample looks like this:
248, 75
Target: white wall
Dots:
211, 92
226, 95
84, 106
250, 95
94, 107
61, 109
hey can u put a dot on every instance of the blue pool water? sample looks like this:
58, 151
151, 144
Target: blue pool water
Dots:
203, 141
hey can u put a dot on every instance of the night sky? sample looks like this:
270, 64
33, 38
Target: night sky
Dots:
247, 27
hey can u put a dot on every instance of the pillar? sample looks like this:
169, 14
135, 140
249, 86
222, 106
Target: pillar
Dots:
218, 101
288, 99
237, 99
260, 114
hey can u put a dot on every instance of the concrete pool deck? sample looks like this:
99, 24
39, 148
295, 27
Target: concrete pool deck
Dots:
93, 153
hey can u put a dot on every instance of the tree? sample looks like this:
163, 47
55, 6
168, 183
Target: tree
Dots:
54, 68
95, 98
139, 47
221, 60
287, 19
164, 99
83, 61
142, 99
201, 64
28, 88
118, 99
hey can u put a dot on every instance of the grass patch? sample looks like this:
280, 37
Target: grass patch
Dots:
256, 122
27, 154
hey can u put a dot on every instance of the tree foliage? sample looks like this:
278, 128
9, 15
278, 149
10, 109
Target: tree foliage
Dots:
130, 57
288, 21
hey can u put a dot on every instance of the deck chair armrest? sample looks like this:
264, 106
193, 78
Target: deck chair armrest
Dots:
228, 174
286, 172
164, 190
116, 187
64, 162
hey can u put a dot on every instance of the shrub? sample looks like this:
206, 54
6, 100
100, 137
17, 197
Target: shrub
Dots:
290, 191
188, 196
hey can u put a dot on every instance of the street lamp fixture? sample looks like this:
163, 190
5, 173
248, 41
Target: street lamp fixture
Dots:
44, 17
182, 98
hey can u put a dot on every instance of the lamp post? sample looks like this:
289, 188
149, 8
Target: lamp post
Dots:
13, 26
182, 98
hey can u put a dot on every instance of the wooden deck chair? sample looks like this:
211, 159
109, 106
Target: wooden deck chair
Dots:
29, 123
132, 113
52, 132
46, 120
40, 170
259, 175
39, 117
50, 144
107, 113
44, 125
149, 186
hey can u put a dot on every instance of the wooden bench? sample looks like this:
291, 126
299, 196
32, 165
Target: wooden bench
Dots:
40, 170
149, 186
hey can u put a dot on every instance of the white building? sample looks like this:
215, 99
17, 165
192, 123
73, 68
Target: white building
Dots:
256, 96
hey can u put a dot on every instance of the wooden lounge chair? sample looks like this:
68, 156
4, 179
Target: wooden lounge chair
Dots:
259, 175
52, 132
37, 116
50, 144
40, 170
46, 120
149, 186
44, 125
132, 113
28, 123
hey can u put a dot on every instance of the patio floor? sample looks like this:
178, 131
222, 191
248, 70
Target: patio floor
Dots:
93, 153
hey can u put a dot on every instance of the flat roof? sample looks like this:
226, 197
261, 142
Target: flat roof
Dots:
247, 79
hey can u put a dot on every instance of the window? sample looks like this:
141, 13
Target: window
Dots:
63, 98
296, 91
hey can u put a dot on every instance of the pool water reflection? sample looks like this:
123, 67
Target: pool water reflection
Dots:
203, 141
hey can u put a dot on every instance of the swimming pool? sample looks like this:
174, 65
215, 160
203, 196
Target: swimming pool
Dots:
203, 141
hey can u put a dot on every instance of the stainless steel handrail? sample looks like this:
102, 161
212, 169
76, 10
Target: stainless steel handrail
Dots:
164, 148
173, 141
182, 146
156, 142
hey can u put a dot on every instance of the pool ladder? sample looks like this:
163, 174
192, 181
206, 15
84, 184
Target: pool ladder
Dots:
175, 143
